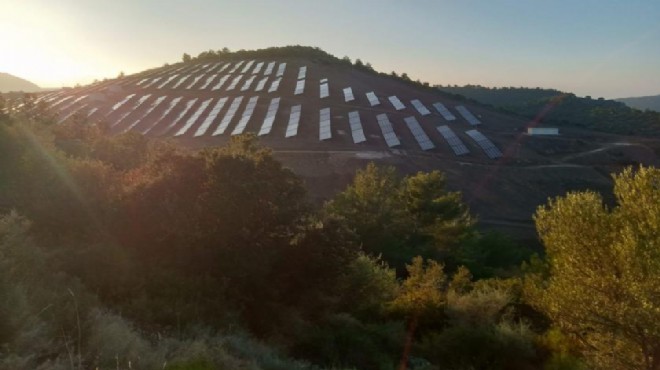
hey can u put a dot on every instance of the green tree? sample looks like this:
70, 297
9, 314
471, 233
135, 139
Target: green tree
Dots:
186, 58
604, 266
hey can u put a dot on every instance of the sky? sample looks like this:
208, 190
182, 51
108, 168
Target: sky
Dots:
603, 48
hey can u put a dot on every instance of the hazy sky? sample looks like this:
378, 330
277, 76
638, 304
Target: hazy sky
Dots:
599, 48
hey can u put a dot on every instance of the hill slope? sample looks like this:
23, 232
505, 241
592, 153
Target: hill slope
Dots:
324, 131
564, 109
9, 83
643, 102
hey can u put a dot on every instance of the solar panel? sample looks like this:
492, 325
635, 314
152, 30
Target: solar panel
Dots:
149, 110
189, 104
269, 69
274, 85
201, 130
348, 94
325, 132
472, 120
356, 127
323, 90
300, 87
152, 82
236, 67
195, 116
267, 126
76, 100
173, 103
167, 81
261, 84
454, 142
247, 83
258, 68
388, 131
134, 108
118, 105
323, 81
488, 147
396, 103
63, 100
221, 82
446, 114
294, 120
234, 82
373, 99
92, 111
422, 139
226, 120
247, 113
194, 81
74, 111
224, 68
180, 81
302, 72
280, 70
420, 107
208, 81
247, 66
142, 81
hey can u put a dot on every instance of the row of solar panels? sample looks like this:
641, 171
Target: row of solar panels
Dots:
325, 132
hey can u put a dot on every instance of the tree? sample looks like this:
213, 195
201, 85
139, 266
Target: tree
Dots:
186, 58
604, 271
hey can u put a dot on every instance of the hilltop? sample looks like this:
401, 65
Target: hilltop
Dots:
10, 83
643, 102
325, 117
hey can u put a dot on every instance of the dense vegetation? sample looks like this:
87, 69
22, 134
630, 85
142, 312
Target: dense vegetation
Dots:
124, 253
554, 107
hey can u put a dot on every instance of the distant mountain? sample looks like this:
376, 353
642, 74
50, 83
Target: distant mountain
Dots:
558, 108
9, 83
643, 102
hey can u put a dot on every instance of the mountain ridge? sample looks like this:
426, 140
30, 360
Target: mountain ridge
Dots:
11, 83
650, 102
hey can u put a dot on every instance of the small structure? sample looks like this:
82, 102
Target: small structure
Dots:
535, 131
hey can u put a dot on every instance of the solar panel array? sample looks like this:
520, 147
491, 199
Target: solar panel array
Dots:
221, 82
472, 120
454, 142
446, 114
189, 104
236, 67
258, 68
348, 94
275, 85
294, 120
396, 103
180, 81
373, 99
173, 103
356, 127
280, 70
422, 139
153, 106
169, 79
135, 107
267, 126
421, 108
324, 91
300, 87
247, 114
116, 106
261, 84
302, 72
201, 130
388, 131
269, 69
229, 115
489, 148
247, 83
234, 82
193, 119
247, 66
325, 132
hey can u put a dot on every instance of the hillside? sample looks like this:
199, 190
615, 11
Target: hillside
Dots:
643, 102
563, 109
9, 83
326, 117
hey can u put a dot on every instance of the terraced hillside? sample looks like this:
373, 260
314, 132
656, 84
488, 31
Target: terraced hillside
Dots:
325, 119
